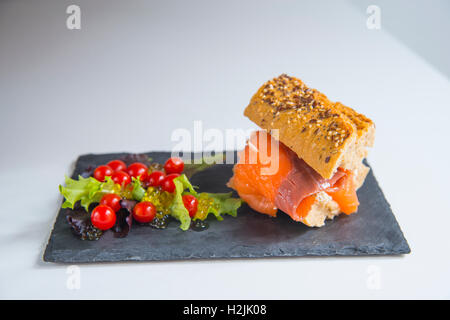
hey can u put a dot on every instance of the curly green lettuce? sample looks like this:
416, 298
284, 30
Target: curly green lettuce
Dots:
177, 209
85, 190
217, 204
89, 190
138, 191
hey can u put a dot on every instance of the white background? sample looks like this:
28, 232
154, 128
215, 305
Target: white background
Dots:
138, 70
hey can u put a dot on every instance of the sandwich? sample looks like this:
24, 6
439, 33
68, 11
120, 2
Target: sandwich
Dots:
307, 161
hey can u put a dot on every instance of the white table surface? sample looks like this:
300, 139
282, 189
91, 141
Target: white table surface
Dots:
138, 70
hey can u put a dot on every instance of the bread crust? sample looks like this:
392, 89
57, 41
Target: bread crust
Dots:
325, 134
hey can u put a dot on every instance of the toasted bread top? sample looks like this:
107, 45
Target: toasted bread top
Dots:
318, 130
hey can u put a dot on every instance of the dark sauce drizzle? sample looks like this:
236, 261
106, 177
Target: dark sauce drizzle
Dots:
199, 225
160, 221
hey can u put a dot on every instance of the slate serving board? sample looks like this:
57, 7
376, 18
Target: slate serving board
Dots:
372, 231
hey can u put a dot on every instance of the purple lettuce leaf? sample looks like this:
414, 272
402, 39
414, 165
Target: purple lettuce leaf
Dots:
81, 225
124, 219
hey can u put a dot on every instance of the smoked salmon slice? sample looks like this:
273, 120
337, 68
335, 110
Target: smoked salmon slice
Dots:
344, 193
257, 189
269, 179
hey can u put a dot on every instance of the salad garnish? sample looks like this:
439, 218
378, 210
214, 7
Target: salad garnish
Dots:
114, 195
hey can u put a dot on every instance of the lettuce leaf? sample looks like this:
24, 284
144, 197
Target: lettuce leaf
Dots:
81, 225
96, 195
85, 190
74, 190
186, 184
138, 191
177, 209
220, 203
89, 190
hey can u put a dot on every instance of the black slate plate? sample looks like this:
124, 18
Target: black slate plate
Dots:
372, 231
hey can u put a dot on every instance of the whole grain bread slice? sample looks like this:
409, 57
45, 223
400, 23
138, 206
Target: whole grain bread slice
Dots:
325, 134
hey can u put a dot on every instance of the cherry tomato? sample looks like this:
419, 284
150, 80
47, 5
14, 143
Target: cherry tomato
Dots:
103, 217
101, 172
174, 165
191, 204
156, 178
167, 184
111, 200
121, 177
117, 165
144, 212
138, 169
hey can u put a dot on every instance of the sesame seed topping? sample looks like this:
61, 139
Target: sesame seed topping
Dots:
306, 107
